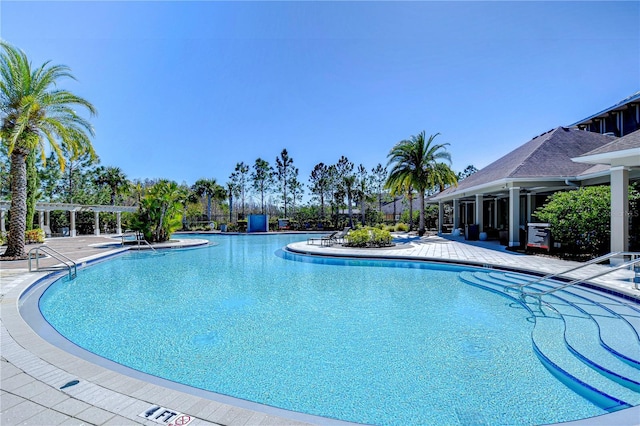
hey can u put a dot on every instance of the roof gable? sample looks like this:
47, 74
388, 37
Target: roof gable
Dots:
547, 155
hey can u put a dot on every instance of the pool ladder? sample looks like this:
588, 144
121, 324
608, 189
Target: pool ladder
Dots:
632, 264
68, 263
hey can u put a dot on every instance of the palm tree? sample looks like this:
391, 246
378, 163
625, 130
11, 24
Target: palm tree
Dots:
114, 178
210, 189
414, 162
33, 110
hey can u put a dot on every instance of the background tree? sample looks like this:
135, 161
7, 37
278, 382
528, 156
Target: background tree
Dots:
378, 178
232, 190
34, 110
468, 171
240, 177
346, 183
114, 179
362, 190
210, 189
413, 164
320, 180
283, 175
296, 189
262, 179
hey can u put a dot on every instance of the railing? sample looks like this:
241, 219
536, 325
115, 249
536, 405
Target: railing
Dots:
68, 263
139, 239
600, 259
633, 264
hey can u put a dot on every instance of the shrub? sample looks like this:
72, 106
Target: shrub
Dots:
401, 227
580, 220
368, 237
34, 236
358, 238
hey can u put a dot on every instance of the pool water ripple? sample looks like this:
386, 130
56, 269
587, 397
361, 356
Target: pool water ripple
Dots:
379, 345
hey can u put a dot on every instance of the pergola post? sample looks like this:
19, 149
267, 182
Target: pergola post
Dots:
619, 209
514, 216
41, 219
47, 218
2, 223
118, 223
96, 223
479, 211
72, 223
440, 216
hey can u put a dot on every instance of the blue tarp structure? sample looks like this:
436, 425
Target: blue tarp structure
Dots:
258, 223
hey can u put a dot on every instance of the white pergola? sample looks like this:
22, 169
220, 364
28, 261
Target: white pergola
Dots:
44, 210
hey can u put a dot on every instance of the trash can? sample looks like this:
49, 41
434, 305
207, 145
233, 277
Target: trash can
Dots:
471, 232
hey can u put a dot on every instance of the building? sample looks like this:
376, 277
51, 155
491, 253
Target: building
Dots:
501, 198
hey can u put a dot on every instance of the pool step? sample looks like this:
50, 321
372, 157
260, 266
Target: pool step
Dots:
567, 340
617, 319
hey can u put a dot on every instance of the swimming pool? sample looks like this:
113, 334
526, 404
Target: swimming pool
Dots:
402, 344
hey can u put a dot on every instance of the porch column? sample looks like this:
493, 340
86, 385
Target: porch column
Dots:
41, 219
456, 213
118, 223
619, 209
495, 213
514, 216
96, 223
2, 224
529, 206
47, 218
480, 211
440, 216
72, 223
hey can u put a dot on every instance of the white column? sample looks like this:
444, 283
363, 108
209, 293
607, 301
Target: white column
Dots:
514, 216
41, 219
96, 223
2, 224
440, 216
72, 223
495, 213
118, 223
47, 218
619, 209
479, 211
456, 213
529, 206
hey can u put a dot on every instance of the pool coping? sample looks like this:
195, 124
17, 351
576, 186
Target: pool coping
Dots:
116, 397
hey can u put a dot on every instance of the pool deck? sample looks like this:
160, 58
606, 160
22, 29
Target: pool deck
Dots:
33, 370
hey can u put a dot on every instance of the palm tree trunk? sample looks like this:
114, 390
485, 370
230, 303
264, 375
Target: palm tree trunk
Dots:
18, 210
350, 210
421, 229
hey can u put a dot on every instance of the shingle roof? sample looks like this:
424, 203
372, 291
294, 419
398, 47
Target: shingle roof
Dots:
548, 155
630, 141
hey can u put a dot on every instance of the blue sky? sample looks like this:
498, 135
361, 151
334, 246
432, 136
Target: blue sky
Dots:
185, 90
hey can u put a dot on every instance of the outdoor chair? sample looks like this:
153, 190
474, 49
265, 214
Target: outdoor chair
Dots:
323, 239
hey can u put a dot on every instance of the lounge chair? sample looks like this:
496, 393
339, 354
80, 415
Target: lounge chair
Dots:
323, 239
339, 237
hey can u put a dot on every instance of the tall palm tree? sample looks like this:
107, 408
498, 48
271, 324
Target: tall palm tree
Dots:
414, 162
210, 189
33, 111
114, 178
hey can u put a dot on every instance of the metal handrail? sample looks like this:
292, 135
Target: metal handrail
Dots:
520, 286
634, 261
139, 239
69, 263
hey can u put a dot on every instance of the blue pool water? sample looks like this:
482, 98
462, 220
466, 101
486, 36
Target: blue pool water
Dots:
358, 342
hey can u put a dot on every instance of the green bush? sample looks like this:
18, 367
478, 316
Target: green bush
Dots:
401, 227
358, 238
368, 237
581, 220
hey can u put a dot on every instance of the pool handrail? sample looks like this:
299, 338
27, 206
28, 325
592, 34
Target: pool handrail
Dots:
520, 286
67, 262
635, 260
